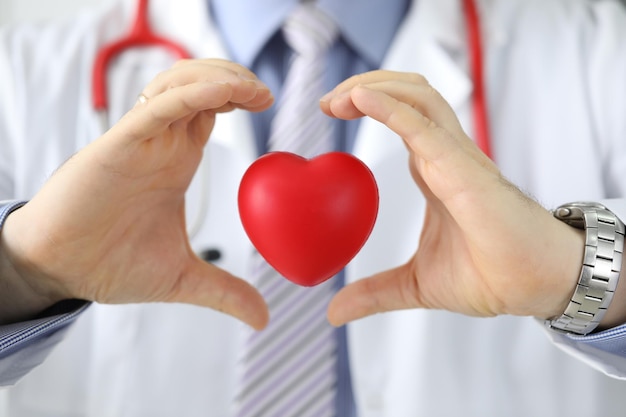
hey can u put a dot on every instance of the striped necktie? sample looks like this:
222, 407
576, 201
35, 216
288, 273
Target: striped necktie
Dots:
289, 368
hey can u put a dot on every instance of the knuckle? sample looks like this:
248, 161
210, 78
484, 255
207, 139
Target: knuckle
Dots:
418, 79
161, 78
181, 63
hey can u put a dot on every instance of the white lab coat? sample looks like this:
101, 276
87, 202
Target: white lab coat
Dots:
558, 131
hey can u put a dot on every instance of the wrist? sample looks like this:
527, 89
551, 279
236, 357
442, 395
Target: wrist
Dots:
568, 265
599, 273
23, 296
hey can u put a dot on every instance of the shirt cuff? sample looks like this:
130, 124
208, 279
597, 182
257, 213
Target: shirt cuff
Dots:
25, 345
604, 351
7, 207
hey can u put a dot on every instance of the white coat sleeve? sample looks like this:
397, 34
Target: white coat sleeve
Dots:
25, 345
606, 350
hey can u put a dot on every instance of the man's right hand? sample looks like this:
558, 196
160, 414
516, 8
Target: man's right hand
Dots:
109, 225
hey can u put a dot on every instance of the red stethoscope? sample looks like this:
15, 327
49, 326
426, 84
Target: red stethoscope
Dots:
141, 35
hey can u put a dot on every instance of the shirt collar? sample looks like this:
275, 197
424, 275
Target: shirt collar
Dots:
248, 25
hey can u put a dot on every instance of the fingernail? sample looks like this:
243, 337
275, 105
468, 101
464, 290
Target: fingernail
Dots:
260, 84
327, 97
245, 76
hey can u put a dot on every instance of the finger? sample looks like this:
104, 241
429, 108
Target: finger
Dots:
248, 97
388, 291
341, 93
379, 76
157, 113
192, 71
425, 138
340, 106
422, 97
261, 103
450, 165
218, 62
421, 134
209, 286
246, 92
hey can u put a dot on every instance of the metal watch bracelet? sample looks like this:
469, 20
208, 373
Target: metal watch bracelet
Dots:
602, 262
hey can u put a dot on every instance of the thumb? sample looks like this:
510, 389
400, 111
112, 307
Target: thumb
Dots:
394, 289
209, 286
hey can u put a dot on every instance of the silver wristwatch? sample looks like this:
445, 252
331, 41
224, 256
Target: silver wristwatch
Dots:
602, 262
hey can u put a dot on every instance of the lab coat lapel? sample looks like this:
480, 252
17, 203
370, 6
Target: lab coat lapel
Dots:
430, 43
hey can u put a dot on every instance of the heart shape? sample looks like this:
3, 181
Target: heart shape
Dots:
308, 218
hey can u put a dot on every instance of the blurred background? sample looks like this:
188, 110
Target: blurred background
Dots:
34, 10
12, 11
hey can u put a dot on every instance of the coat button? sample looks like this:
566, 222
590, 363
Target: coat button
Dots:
210, 255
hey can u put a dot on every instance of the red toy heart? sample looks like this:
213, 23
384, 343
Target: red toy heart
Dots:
308, 218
